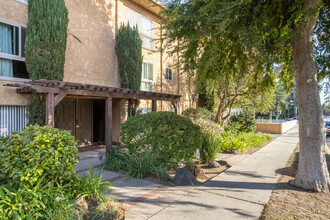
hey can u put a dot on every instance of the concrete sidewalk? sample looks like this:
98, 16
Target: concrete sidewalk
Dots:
241, 191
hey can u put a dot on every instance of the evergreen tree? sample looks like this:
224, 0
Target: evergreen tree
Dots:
129, 52
45, 47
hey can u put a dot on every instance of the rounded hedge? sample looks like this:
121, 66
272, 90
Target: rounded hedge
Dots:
199, 113
172, 136
35, 152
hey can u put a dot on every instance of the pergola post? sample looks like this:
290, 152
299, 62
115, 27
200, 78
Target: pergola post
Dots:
154, 105
175, 105
108, 124
50, 112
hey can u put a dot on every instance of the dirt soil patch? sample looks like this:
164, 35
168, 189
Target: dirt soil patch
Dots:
289, 202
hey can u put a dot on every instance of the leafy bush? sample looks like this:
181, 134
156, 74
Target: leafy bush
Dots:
35, 152
244, 122
138, 164
91, 186
38, 179
242, 141
45, 202
210, 148
173, 137
199, 113
204, 119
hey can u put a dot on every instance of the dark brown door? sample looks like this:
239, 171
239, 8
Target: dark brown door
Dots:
84, 121
67, 116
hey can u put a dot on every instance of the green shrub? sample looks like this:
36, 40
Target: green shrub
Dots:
242, 141
209, 149
46, 202
244, 122
199, 113
204, 119
91, 186
35, 152
138, 164
173, 137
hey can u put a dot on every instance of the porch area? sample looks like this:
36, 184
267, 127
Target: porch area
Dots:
92, 113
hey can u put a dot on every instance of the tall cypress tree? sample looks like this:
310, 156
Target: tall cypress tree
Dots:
129, 52
45, 47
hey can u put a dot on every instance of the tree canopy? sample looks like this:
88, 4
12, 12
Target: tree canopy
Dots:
236, 37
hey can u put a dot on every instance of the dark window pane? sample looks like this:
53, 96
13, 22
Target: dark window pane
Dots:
23, 35
15, 40
19, 70
168, 75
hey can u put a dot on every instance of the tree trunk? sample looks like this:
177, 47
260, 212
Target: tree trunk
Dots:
312, 170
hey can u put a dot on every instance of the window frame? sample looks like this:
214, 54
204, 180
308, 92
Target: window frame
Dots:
166, 76
14, 57
153, 76
151, 37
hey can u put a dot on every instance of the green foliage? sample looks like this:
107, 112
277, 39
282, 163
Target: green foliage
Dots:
39, 202
209, 149
140, 164
129, 53
45, 47
199, 113
37, 176
172, 136
244, 122
241, 141
211, 131
91, 186
204, 119
35, 152
206, 98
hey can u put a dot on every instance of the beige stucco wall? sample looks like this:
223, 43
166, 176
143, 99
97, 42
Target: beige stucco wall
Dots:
93, 60
12, 11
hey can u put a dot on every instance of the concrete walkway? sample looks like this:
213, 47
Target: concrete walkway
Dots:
238, 193
241, 191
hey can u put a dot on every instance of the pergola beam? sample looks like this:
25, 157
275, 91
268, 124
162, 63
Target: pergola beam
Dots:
107, 93
59, 97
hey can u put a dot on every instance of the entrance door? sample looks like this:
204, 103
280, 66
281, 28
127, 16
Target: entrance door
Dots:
67, 119
84, 121
76, 117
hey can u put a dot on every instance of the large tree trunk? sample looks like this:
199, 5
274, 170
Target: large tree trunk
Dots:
312, 170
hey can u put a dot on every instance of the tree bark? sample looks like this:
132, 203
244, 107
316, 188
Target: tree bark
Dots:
312, 169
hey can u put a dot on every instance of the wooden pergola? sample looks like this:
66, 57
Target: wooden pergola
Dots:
57, 90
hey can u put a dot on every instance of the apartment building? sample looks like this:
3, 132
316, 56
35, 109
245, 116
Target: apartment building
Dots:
90, 60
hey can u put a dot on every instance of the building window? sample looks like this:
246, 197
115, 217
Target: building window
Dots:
12, 58
168, 74
12, 118
145, 27
147, 76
